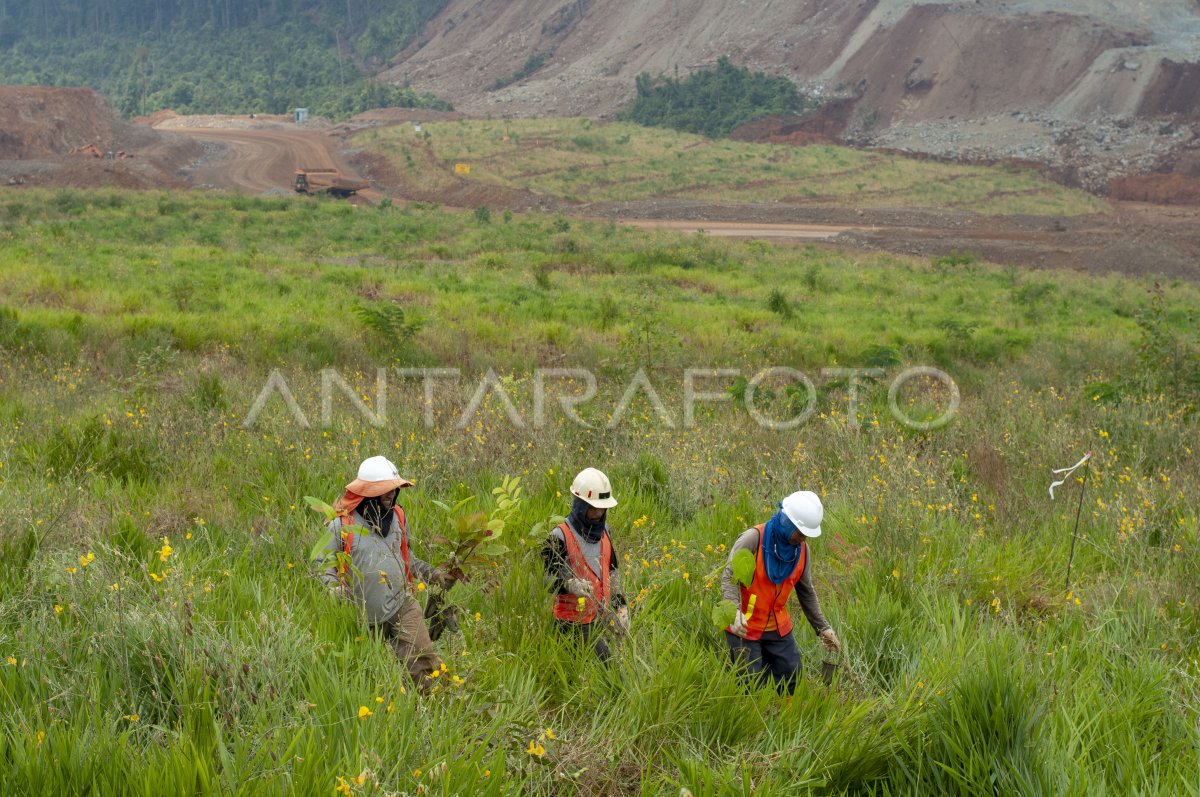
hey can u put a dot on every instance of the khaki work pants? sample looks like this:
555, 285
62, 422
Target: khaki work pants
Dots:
408, 635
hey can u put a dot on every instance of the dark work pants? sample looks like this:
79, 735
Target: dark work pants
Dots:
584, 634
772, 655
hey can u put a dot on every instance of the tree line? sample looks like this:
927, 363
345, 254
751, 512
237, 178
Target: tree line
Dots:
216, 56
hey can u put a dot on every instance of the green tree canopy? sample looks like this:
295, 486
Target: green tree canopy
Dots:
713, 102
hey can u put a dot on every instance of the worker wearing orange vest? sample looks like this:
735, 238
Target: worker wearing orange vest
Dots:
760, 637
372, 529
583, 570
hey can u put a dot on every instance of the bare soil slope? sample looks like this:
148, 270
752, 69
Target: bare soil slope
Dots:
40, 126
918, 72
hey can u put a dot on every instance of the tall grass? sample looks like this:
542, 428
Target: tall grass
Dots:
575, 160
194, 652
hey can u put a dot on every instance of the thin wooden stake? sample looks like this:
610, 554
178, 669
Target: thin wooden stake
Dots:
1075, 531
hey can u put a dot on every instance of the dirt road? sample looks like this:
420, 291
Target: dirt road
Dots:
733, 229
260, 157
257, 161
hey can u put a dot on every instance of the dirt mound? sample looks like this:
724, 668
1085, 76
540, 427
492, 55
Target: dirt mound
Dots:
1174, 90
39, 127
1161, 189
937, 62
48, 122
823, 127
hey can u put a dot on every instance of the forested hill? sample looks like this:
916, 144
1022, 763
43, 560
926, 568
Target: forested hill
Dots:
204, 56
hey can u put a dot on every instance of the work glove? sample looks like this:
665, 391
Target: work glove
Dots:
442, 579
580, 588
621, 621
738, 626
830, 640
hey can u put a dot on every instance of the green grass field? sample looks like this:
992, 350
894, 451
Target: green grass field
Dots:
161, 631
579, 160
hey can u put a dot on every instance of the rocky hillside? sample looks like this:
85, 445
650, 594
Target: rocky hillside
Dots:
1093, 87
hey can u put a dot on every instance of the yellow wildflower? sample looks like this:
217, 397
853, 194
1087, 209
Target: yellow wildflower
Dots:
364, 712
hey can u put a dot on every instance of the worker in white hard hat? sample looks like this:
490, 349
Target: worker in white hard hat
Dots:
760, 637
372, 529
583, 570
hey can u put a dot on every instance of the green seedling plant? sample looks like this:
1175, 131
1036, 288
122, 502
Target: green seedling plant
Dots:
471, 543
725, 611
472, 538
317, 555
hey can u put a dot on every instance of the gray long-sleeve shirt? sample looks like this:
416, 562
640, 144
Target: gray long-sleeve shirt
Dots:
557, 564
382, 587
806, 596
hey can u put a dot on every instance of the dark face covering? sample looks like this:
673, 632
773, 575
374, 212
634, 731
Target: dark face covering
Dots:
375, 512
590, 530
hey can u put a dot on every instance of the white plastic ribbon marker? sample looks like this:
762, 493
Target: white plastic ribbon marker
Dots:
1066, 473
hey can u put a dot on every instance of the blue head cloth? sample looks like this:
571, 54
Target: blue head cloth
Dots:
779, 555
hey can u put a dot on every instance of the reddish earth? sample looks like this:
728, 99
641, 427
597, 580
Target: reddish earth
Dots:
260, 155
1161, 189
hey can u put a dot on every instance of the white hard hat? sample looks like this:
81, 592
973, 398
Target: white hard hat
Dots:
805, 511
377, 476
593, 487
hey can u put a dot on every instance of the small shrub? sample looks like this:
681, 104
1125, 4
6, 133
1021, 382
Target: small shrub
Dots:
778, 303
812, 276
92, 446
608, 310
955, 259
879, 356
388, 321
208, 393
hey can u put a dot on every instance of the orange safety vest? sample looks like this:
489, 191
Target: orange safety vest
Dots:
348, 539
566, 607
771, 603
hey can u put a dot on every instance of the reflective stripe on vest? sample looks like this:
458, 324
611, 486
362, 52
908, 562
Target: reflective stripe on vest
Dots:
348, 539
566, 607
771, 598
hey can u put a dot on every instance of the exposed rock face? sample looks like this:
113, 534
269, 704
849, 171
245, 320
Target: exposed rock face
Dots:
915, 71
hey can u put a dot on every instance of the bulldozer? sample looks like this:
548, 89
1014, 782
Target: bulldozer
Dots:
327, 181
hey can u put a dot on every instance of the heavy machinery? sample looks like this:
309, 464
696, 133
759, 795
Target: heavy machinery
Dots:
327, 181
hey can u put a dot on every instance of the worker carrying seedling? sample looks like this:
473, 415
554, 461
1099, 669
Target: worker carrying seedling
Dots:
583, 570
766, 564
378, 570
